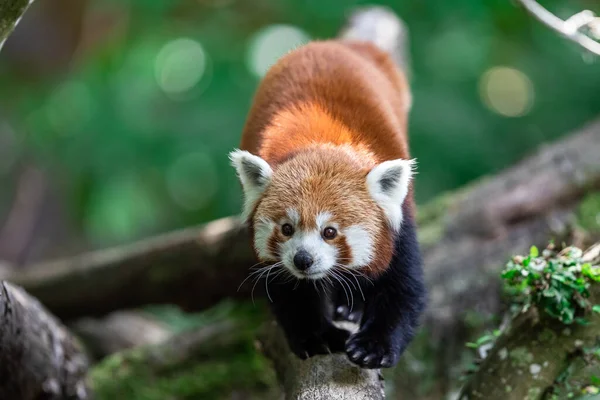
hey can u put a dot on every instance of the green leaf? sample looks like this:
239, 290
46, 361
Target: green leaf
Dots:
596, 308
591, 272
534, 252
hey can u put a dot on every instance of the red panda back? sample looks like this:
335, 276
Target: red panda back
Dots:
338, 92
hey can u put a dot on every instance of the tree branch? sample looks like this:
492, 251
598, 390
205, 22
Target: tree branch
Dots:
193, 268
119, 331
38, 356
331, 377
532, 352
570, 28
11, 12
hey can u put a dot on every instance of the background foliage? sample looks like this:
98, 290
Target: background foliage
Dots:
133, 122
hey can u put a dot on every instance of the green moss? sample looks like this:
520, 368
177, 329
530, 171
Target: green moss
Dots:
588, 213
435, 209
229, 364
520, 357
430, 217
533, 393
130, 377
547, 335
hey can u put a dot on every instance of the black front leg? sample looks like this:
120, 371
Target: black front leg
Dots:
393, 307
301, 312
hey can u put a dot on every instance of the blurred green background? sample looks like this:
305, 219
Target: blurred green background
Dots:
127, 108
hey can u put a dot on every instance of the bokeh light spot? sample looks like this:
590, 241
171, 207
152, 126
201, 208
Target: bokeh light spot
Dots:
192, 181
506, 91
180, 65
271, 43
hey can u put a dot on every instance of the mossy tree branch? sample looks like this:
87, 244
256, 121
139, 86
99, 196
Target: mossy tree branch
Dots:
11, 12
536, 351
209, 362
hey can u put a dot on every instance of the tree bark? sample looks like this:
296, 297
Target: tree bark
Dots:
531, 353
38, 357
193, 268
331, 377
11, 12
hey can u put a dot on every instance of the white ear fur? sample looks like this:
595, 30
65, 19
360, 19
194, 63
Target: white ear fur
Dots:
254, 174
388, 184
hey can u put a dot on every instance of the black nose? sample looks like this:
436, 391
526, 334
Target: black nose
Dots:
303, 260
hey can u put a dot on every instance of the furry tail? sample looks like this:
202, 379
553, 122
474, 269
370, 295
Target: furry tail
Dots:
382, 27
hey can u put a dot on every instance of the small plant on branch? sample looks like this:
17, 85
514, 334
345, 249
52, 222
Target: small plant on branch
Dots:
556, 282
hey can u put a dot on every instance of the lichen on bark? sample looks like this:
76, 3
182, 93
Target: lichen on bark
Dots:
535, 356
11, 12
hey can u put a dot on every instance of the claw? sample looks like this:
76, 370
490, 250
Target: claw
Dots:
368, 358
386, 362
356, 355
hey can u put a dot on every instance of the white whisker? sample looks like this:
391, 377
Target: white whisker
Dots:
344, 284
267, 285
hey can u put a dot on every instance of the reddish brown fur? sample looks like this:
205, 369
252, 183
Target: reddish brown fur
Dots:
320, 95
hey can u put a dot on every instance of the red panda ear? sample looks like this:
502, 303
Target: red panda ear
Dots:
254, 174
388, 185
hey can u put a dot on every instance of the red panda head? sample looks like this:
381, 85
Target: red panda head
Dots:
325, 207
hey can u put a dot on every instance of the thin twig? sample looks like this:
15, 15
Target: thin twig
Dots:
570, 28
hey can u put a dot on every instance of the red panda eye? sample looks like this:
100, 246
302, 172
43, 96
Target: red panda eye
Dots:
287, 230
329, 233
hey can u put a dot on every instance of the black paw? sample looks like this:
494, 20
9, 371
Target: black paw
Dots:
343, 313
372, 351
333, 340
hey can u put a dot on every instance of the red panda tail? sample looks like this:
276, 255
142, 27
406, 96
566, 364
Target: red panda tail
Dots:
382, 27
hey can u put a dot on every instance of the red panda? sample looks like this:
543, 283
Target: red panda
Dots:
326, 173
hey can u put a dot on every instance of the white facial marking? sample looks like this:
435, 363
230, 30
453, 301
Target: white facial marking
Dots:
323, 254
322, 219
388, 185
294, 216
361, 245
254, 174
263, 229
